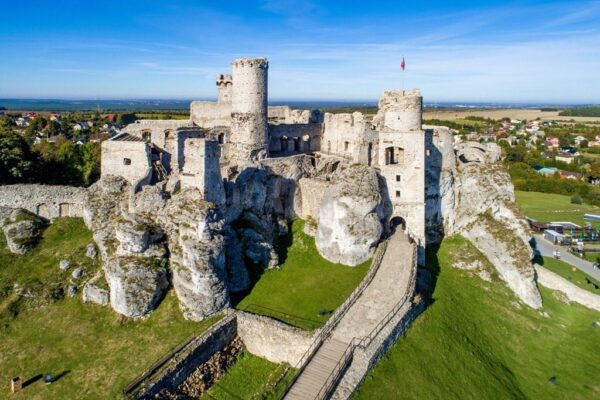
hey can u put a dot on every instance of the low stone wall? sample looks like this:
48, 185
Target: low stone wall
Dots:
573, 292
47, 201
271, 339
197, 352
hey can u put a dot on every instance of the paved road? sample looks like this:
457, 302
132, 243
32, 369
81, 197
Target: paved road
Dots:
546, 249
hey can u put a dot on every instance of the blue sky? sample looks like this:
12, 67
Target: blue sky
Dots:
347, 50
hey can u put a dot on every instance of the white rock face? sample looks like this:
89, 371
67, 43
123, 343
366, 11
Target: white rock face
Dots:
132, 247
349, 221
136, 284
475, 199
573, 292
197, 261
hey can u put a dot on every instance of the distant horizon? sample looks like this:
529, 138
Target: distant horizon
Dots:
29, 103
530, 51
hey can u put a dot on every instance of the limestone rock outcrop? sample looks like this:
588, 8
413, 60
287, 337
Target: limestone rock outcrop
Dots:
197, 246
475, 198
349, 220
132, 247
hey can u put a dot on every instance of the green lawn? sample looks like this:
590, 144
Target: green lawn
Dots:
304, 285
251, 377
97, 351
474, 343
546, 207
572, 274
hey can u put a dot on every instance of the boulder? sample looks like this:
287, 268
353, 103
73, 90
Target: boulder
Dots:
77, 273
136, 284
21, 236
95, 294
71, 290
349, 222
64, 265
91, 251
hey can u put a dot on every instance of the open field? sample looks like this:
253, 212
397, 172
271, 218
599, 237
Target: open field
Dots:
547, 207
306, 288
476, 342
93, 350
513, 113
251, 377
571, 274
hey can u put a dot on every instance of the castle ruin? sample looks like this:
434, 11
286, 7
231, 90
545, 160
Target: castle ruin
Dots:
239, 129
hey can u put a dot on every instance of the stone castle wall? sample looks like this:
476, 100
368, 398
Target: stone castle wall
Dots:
271, 339
295, 138
47, 201
207, 114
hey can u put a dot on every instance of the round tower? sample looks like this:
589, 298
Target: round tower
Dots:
402, 110
224, 87
249, 135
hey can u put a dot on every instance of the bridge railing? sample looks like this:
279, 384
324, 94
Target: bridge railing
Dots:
365, 341
338, 314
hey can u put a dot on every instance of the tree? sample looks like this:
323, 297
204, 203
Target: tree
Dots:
17, 162
90, 163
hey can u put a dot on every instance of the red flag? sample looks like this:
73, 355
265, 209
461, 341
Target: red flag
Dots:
402, 64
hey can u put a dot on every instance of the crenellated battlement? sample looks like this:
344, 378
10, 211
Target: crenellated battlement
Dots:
224, 80
259, 62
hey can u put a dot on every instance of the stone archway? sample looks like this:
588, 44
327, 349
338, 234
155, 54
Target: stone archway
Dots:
396, 222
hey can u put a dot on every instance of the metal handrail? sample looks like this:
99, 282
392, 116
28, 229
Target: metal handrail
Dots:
337, 315
362, 342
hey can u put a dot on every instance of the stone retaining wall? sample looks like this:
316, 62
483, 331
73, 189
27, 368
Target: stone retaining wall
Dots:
47, 201
192, 356
271, 339
573, 292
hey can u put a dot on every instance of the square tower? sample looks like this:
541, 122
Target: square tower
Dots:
402, 159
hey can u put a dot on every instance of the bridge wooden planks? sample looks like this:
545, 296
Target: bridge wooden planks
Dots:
315, 374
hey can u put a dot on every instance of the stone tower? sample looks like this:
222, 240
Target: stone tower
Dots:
402, 158
249, 134
224, 88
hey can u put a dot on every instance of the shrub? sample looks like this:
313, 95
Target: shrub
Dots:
575, 199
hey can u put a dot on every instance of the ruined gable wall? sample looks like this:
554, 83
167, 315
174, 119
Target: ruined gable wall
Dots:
130, 160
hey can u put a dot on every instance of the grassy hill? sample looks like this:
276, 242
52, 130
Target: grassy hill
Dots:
476, 342
95, 351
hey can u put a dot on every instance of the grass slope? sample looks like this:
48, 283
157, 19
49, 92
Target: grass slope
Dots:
572, 274
98, 351
251, 377
546, 207
303, 285
474, 343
